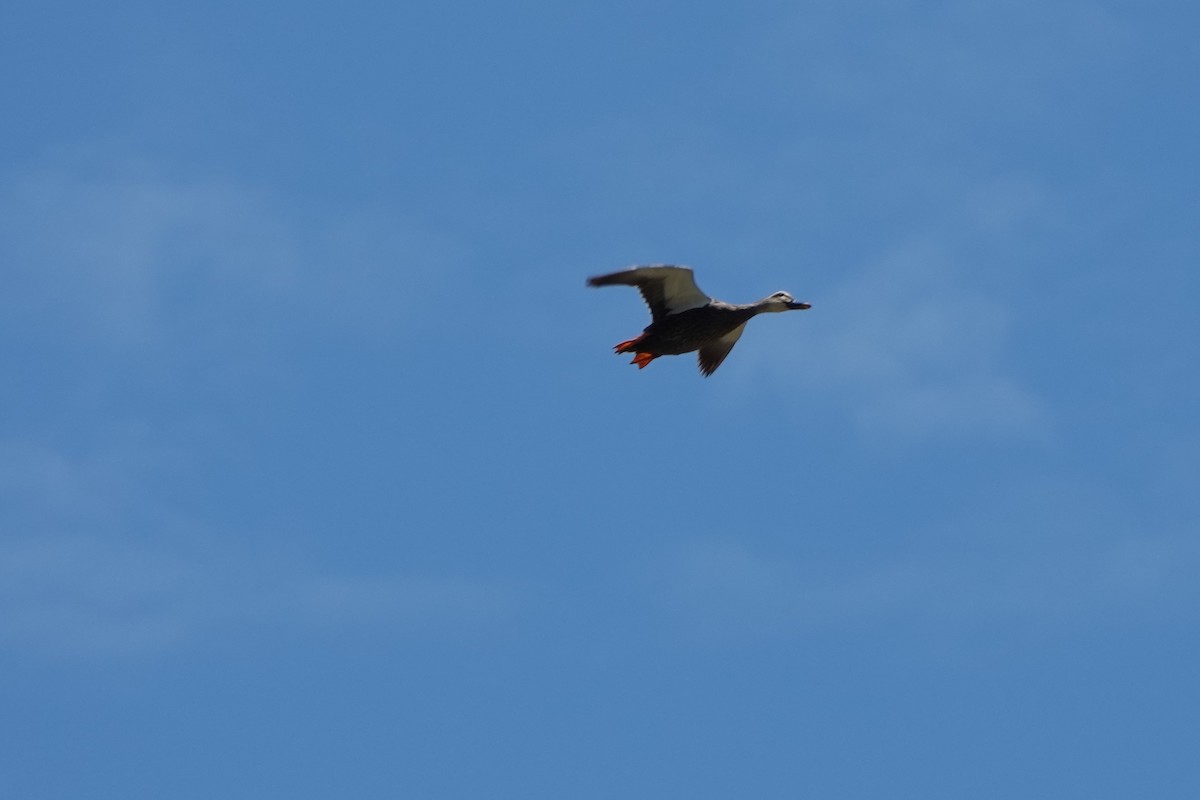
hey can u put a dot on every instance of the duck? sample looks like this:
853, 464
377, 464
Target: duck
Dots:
684, 319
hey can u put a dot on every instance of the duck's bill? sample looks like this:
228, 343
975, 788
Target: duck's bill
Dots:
800, 306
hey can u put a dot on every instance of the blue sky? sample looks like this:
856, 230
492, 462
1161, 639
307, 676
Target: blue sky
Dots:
319, 477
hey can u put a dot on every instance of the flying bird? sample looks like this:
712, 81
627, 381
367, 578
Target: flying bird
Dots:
684, 319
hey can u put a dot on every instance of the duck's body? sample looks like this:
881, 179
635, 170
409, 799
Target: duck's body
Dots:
688, 330
684, 319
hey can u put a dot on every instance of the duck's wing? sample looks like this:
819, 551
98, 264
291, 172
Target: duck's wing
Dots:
667, 290
713, 353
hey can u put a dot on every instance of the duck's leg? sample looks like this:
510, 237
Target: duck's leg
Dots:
640, 358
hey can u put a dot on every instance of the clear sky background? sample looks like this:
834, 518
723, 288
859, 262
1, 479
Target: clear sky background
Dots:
318, 477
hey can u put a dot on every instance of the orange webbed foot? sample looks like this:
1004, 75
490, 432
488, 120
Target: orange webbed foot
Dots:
642, 359
627, 346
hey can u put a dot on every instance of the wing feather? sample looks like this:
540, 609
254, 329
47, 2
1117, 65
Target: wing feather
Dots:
713, 353
666, 289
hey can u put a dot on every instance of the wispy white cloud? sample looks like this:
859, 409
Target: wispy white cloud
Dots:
98, 595
134, 257
93, 564
896, 58
723, 589
119, 274
909, 349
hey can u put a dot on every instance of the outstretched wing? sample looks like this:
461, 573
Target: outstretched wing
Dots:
667, 290
713, 353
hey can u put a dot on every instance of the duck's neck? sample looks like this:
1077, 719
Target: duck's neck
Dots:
749, 310
739, 311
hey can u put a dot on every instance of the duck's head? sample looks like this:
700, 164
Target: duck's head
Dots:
781, 301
